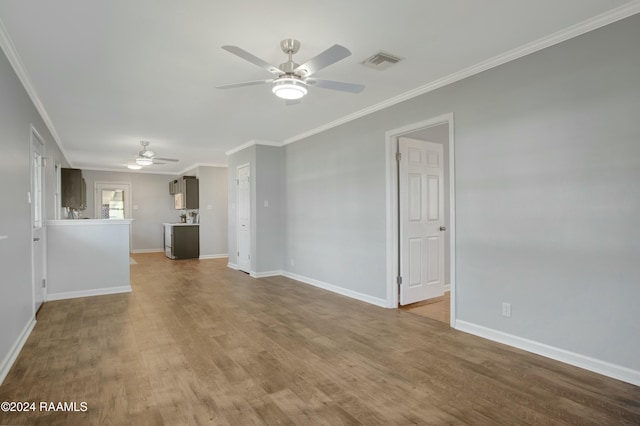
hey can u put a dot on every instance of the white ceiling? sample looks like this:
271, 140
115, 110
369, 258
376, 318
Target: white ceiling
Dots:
111, 73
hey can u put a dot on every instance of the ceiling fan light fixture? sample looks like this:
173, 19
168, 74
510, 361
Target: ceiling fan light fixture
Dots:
134, 166
289, 88
144, 161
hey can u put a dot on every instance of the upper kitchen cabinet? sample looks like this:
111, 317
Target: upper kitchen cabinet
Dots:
185, 191
74, 189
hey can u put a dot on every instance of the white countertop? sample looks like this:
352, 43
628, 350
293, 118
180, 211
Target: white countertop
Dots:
182, 224
85, 222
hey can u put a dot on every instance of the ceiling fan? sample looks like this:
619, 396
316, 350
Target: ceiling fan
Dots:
146, 157
292, 80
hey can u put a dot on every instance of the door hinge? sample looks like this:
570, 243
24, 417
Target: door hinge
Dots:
238, 254
44, 283
399, 280
398, 156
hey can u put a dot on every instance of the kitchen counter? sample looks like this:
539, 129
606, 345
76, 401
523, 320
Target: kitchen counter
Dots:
87, 257
181, 224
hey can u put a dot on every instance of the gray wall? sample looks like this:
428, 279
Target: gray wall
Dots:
547, 172
267, 221
213, 210
270, 218
17, 114
150, 193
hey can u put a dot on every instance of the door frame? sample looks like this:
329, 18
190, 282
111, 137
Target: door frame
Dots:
97, 201
391, 138
35, 137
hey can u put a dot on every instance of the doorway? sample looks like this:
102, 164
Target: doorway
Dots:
112, 200
38, 245
421, 215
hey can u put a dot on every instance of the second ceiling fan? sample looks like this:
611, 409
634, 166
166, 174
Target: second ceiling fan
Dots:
292, 80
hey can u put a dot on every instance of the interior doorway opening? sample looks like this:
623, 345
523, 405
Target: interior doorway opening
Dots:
421, 218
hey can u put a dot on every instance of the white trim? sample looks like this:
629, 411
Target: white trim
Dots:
392, 203
252, 143
213, 256
3, 237
265, 274
155, 250
125, 170
89, 222
232, 266
88, 293
13, 353
196, 165
18, 66
583, 27
336, 289
592, 364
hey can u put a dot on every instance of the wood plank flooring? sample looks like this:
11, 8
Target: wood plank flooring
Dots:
438, 308
197, 343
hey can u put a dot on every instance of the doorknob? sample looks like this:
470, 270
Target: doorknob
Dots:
443, 228
36, 239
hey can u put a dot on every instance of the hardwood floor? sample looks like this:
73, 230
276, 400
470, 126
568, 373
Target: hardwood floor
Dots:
438, 308
198, 343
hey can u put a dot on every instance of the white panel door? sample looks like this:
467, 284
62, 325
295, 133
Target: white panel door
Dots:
421, 197
38, 254
244, 218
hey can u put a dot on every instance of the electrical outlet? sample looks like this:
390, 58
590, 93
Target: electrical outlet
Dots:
266, 203
506, 309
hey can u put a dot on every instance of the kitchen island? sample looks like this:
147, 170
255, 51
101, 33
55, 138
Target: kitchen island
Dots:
87, 257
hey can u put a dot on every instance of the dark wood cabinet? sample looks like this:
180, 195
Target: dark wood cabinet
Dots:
74, 189
186, 190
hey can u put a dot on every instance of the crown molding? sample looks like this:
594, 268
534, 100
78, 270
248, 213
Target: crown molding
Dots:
194, 166
252, 143
14, 59
578, 29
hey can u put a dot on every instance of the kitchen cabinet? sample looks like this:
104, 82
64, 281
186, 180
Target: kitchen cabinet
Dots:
182, 241
73, 189
185, 191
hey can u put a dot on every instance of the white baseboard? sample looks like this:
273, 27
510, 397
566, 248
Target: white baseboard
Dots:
213, 256
265, 274
88, 293
158, 250
11, 357
232, 266
336, 289
598, 366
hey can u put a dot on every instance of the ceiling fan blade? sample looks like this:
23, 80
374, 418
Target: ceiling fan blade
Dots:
173, 160
253, 59
336, 85
246, 83
330, 56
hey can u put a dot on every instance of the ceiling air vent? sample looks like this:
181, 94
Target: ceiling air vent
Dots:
381, 61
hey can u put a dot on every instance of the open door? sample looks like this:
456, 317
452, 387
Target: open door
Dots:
421, 216
38, 250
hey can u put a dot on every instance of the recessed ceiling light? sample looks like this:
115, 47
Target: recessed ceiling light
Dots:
134, 166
